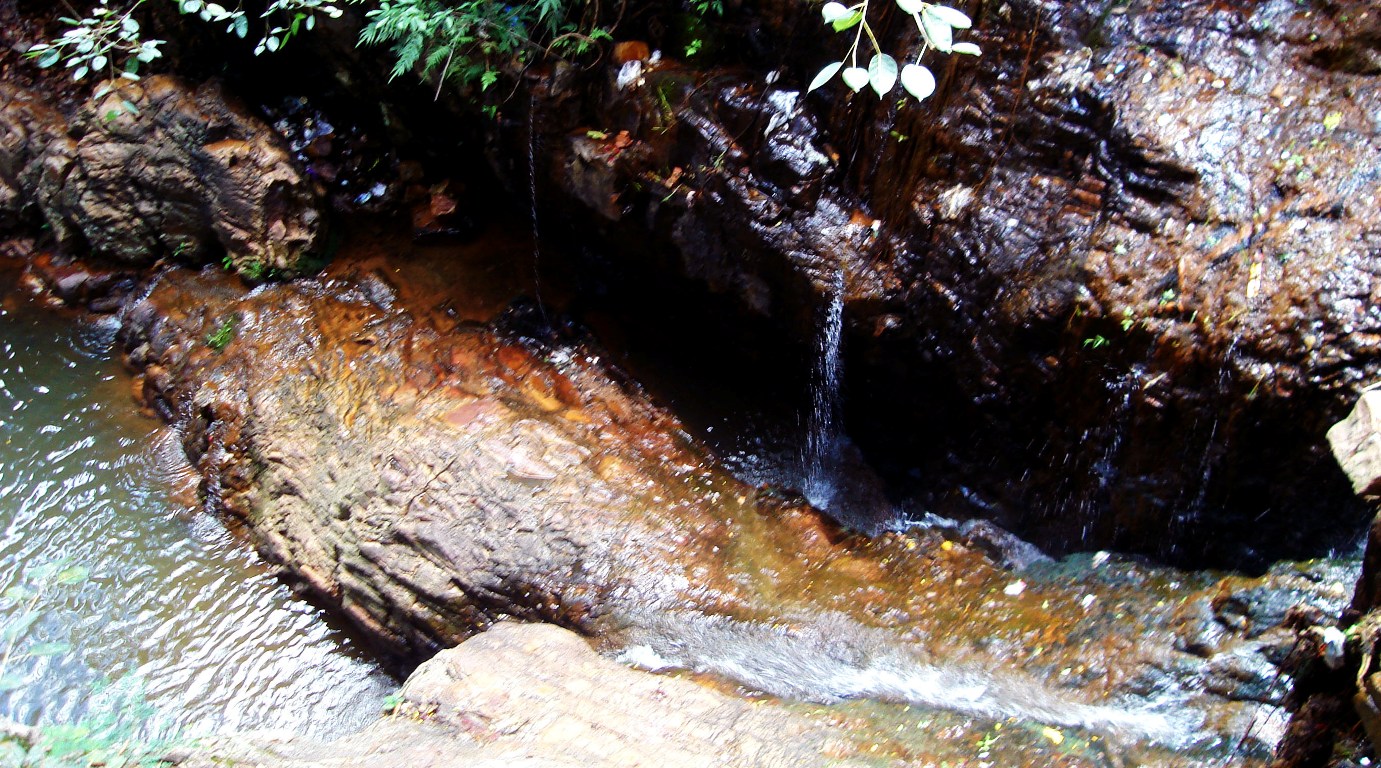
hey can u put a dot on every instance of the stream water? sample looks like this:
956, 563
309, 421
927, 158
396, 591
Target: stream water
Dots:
175, 611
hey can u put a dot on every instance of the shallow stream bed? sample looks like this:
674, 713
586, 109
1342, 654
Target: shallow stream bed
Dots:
175, 611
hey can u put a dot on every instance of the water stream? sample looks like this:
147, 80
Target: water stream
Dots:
175, 610
823, 419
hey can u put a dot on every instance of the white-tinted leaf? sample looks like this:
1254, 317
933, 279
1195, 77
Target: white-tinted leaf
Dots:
824, 76
215, 10
18, 626
10, 683
882, 73
130, 25
99, 62
49, 649
911, 6
81, 72
937, 31
241, 26
968, 48
917, 81
271, 43
856, 78
952, 17
191, 6
311, 23
834, 12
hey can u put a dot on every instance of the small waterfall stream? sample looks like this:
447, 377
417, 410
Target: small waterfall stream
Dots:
532, 202
823, 436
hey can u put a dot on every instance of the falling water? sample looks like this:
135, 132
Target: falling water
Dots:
822, 421
532, 200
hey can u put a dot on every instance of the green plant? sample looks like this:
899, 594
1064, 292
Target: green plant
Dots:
114, 734
21, 602
468, 41
223, 335
936, 24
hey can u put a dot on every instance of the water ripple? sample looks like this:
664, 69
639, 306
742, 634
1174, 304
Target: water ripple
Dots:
174, 607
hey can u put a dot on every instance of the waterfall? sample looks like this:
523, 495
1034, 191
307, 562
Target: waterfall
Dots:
823, 418
532, 200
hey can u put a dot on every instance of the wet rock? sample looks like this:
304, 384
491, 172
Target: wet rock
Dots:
427, 476
521, 694
1077, 282
28, 126
159, 169
1356, 443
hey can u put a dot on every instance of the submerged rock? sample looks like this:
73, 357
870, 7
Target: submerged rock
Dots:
159, 169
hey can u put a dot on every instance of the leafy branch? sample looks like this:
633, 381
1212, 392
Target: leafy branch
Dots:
936, 24
108, 39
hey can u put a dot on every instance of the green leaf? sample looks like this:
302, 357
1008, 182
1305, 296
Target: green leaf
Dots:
937, 31
81, 72
49, 58
1332, 120
918, 81
824, 76
848, 22
241, 26
18, 594
882, 73
73, 575
856, 78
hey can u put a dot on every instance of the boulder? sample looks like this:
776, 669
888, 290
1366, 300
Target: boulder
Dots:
520, 695
159, 169
1356, 443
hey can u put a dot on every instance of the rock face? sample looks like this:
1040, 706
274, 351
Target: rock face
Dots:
158, 169
521, 694
1110, 286
427, 476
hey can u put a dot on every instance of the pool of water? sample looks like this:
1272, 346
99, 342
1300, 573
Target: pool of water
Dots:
174, 610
